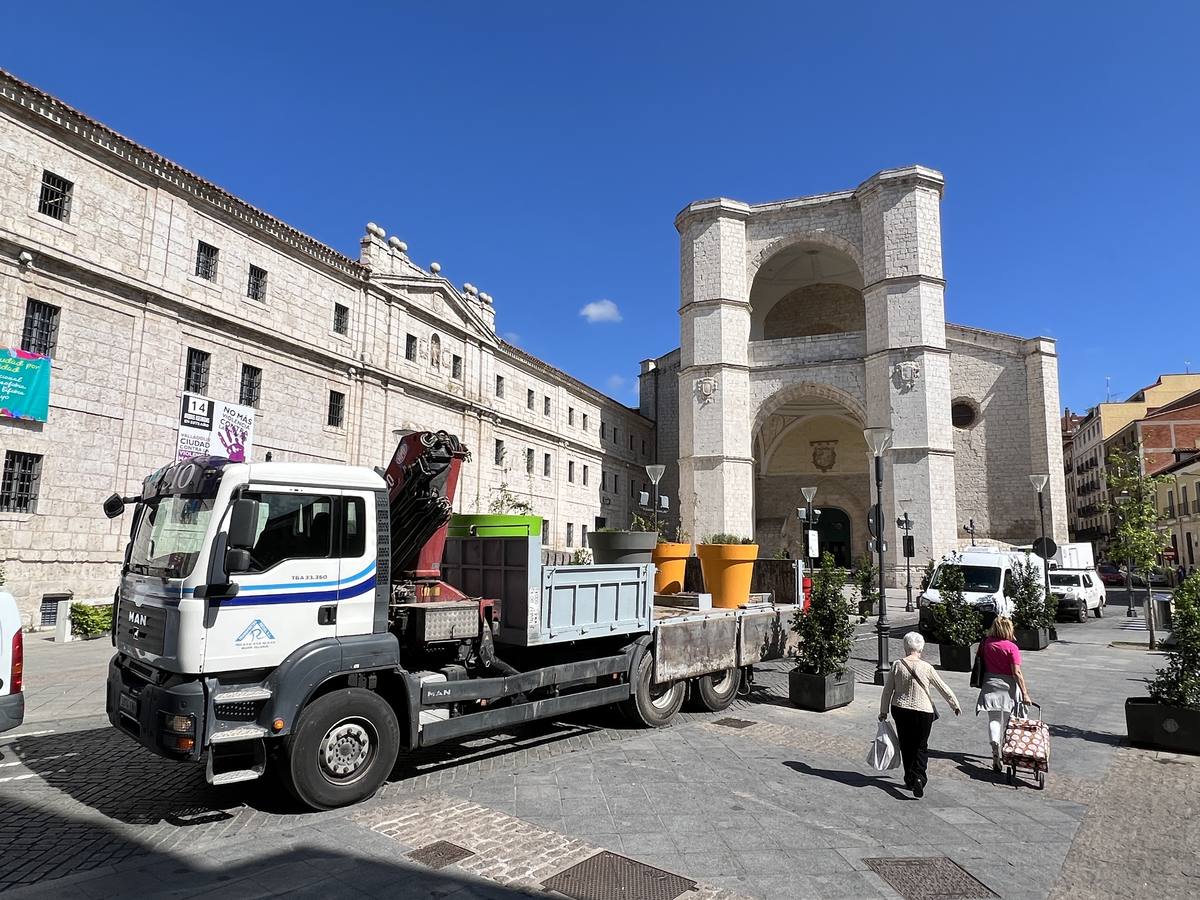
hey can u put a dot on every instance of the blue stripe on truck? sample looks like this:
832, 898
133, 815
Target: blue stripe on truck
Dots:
302, 596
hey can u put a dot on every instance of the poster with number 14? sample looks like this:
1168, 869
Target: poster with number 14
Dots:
210, 427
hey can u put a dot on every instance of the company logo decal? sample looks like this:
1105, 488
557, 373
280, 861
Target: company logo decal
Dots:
256, 636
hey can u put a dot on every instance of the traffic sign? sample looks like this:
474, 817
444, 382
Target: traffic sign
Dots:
1045, 547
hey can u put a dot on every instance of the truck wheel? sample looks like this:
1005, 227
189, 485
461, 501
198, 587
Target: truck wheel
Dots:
653, 704
1100, 607
716, 691
1082, 610
342, 750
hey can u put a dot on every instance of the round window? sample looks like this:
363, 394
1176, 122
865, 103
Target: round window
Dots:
963, 414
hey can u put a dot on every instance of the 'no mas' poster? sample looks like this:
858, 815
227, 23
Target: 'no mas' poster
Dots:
24, 385
214, 428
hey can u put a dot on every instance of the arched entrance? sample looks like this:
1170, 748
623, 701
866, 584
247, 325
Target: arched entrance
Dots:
833, 535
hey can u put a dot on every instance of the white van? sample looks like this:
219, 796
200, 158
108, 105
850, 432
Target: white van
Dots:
12, 664
988, 579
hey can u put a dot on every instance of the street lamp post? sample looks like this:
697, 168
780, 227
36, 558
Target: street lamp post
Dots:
879, 439
906, 523
1039, 485
655, 472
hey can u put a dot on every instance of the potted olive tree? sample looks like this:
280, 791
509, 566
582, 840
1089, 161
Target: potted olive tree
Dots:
1169, 719
866, 584
821, 680
727, 564
1033, 612
957, 626
611, 546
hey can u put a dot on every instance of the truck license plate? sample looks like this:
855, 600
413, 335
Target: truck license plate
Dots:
129, 705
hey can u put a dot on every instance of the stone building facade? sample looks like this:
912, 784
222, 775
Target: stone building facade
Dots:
807, 320
347, 352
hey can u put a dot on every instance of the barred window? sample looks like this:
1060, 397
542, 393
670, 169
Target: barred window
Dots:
410, 347
341, 318
40, 334
19, 489
499, 385
55, 197
456, 367
498, 457
337, 409
256, 288
206, 261
529, 460
251, 388
195, 380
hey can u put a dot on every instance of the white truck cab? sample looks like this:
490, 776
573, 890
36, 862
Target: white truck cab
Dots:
988, 577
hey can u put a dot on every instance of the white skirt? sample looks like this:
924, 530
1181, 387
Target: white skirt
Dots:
999, 692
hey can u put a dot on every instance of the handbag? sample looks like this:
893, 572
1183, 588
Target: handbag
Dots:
882, 755
924, 686
978, 669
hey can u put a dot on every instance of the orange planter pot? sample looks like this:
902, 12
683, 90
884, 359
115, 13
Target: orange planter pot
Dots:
727, 570
670, 561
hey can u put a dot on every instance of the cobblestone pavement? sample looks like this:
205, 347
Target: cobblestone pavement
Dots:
783, 807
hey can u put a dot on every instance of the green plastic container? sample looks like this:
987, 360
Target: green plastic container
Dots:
495, 526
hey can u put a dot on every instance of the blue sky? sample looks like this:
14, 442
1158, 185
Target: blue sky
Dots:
541, 151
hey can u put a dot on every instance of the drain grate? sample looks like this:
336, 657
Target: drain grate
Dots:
439, 854
609, 876
929, 878
735, 723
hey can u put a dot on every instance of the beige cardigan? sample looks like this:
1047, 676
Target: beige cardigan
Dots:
902, 691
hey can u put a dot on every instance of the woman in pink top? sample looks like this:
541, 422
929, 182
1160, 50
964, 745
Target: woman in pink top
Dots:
1003, 685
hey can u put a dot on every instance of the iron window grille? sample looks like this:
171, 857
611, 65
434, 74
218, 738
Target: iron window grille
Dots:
410, 347
251, 387
341, 318
19, 488
337, 409
40, 334
456, 367
256, 287
206, 261
196, 379
54, 200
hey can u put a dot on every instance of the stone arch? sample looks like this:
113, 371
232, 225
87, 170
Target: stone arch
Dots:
802, 236
808, 389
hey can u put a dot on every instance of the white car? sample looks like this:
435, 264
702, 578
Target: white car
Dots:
12, 664
1078, 592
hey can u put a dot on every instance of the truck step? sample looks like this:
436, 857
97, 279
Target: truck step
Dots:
241, 695
241, 733
235, 776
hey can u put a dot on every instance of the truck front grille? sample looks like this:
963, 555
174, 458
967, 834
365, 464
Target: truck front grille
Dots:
141, 627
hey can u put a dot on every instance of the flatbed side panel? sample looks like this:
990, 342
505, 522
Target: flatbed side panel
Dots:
766, 635
596, 600
685, 648
494, 688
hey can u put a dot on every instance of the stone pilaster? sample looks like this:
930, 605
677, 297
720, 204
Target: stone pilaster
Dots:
1046, 452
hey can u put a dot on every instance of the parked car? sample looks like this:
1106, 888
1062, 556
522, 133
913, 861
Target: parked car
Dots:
1158, 578
1111, 575
12, 664
1077, 593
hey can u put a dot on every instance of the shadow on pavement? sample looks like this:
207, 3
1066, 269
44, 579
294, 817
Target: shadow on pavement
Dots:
848, 778
973, 765
48, 846
1085, 734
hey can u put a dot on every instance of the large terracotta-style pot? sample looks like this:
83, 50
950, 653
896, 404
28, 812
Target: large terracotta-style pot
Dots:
670, 561
727, 570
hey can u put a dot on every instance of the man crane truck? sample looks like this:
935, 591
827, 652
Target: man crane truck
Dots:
315, 619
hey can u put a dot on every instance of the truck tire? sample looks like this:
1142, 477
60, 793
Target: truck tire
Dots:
342, 749
1100, 607
715, 691
1082, 610
653, 704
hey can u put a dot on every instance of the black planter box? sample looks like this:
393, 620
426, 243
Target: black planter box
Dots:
1032, 638
957, 658
820, 692
622, 547
1172, 728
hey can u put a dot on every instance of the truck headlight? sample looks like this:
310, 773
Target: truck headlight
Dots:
180, 724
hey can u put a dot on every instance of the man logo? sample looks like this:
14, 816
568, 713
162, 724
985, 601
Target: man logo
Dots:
255, 635
137, 618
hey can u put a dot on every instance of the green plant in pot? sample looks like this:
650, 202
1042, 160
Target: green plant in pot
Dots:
866, 585
821, 679
956, 626
1033, 612
1169, 719
611, 546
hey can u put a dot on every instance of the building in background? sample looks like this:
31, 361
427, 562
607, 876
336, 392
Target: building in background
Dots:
1070, 425
1165, 434
1179, 506
141, 281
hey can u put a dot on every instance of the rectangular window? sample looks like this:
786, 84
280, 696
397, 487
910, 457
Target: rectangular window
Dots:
498, 456
643, 446
529, 398
341, 318
256, 287
545, 406
571, 471
55, 197
499, 385
615, 434
196, 379
631, 442
40, 333
583, 535
570, 534
337, 409
585, 474
251, 387
354, 528
603, 430
456, 367
585, 421
206, 261
616, 483
529, 460
410, 347
545, 531
292, 526
570, 415
19, 489
632, 488
546, 465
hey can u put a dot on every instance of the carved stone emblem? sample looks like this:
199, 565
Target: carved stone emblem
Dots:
824, 455
706, 389
905, 375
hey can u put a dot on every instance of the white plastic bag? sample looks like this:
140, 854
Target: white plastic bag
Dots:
884, 752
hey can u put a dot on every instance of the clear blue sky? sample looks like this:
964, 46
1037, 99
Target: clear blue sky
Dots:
542, 151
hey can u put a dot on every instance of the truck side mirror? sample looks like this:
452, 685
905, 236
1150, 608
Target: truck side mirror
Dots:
243, 524
114, 505
237, 560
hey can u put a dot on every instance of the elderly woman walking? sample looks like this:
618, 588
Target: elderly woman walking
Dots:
906, 693
1002, 684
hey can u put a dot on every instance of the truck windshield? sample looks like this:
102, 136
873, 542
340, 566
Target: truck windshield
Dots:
170, 535
1059, 580
976, 579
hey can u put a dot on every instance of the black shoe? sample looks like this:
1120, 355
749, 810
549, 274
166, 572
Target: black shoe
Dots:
918, 790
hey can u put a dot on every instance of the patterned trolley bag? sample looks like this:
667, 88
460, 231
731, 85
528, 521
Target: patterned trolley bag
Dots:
1026, 745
